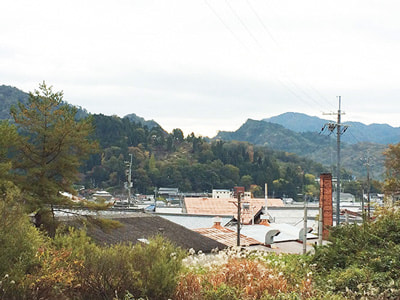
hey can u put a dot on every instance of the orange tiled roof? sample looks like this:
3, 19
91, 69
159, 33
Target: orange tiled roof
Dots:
227, 207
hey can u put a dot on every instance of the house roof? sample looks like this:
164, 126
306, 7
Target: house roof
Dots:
138, 226
226, 236
287, 232
194, 221
227, 206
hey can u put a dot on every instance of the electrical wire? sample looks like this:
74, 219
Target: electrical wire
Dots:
225, 25
243, 24
264, 26
291, 86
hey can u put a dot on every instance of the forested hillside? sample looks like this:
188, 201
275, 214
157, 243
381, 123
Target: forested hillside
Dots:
257, 153
357, 132
135, 118
318, 147
162, 159
10, 96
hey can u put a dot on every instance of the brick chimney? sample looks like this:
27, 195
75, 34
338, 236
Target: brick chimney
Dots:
325, 202
217, 223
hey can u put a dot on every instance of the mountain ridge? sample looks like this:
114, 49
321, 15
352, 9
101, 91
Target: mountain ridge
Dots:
276, 136
10, 95
357, 131
318, 147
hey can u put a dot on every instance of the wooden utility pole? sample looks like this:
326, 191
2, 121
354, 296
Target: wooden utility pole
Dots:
368, 190
338, 164
340, 129
129, 178
367, 164
239, 211
305, 227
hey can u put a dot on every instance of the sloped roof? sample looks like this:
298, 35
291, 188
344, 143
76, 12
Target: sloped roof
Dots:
226, 236
287, 232
227, 207
144, 226
194, 221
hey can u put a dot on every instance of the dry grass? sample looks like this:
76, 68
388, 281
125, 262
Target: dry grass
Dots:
240, 278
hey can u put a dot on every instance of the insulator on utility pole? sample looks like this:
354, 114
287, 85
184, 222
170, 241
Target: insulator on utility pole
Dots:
340, 129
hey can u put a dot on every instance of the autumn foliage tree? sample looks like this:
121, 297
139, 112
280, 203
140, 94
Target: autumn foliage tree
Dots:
50, 147
392, 164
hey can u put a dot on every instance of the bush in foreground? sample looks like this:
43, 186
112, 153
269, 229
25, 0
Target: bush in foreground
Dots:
362, 261
76, 268
236, 274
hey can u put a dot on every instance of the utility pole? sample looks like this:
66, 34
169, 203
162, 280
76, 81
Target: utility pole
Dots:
367, 164
266, 199
239, 207
338, 165
305, 226
340, 129
155, 198
129, 183
368, 190
362, 206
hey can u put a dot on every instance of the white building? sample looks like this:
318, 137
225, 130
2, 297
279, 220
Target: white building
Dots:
227, 194
222, 194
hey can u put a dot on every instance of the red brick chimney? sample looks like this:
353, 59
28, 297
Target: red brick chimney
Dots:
325, 202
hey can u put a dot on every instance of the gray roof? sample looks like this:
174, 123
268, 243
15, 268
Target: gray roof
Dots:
195, 221
138, 226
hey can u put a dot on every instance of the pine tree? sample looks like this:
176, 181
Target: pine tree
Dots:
51, 146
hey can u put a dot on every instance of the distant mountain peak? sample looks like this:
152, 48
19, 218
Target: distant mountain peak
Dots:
357, 132
298, 122
135, 118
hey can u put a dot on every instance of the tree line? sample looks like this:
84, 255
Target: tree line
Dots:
191, 163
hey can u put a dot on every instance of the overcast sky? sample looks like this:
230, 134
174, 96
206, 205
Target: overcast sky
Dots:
208, 65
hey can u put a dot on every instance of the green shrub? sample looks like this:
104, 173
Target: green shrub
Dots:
108, 271
143, 270
159, 264
19, 241
222, 292
362, 260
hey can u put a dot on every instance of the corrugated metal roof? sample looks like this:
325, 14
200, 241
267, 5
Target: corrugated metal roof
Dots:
287, 232
226, 236
194, 221
227, 206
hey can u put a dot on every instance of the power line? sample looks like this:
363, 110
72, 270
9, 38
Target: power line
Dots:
261, 47
289, 85
305, 93
243, 24
280, 48
225, 25
262, 24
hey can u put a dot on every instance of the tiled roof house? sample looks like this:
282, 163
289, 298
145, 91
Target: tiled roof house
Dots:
251, 208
